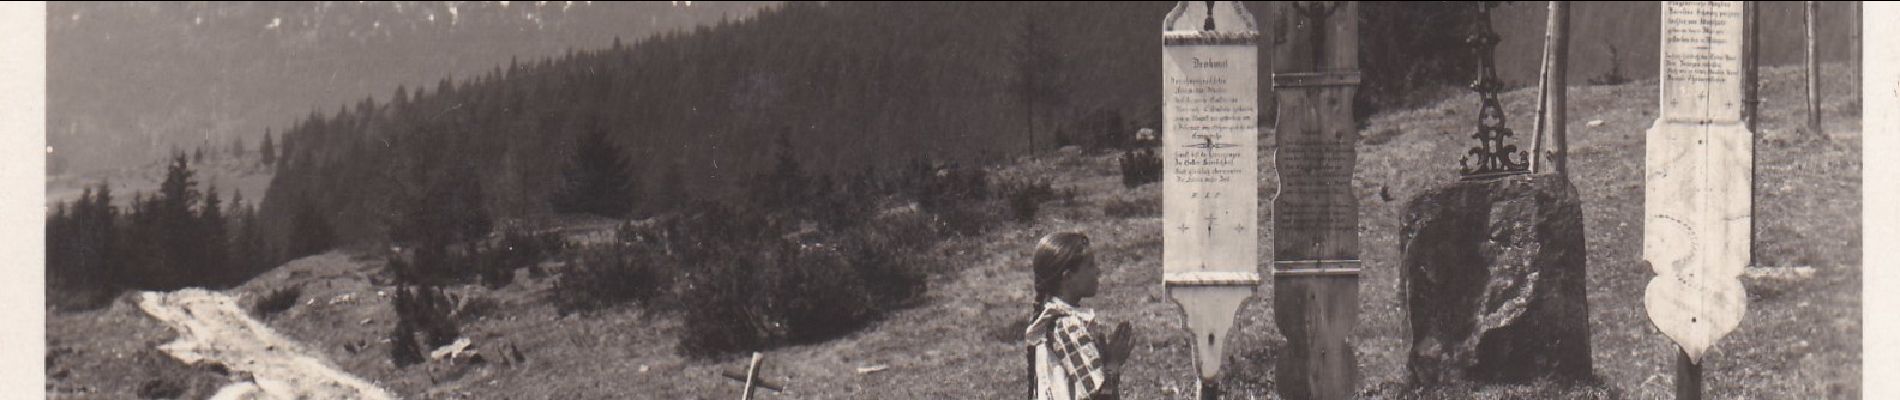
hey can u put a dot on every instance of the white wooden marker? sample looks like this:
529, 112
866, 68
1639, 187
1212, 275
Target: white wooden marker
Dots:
1697, 189
1210, 184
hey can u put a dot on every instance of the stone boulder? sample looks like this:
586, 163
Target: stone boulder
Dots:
1493, 278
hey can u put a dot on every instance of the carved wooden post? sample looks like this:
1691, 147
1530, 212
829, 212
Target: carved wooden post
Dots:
1210, 181
1813, 71
1697, 183
1315, 214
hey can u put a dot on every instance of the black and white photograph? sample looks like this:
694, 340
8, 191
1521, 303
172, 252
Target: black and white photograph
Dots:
953, 200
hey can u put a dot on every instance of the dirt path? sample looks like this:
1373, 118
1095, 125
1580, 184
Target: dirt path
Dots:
211, 327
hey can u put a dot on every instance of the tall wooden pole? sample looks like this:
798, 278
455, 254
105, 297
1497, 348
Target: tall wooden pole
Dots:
1751, 68
1559, 56
1751, 106
1543, 95
1688, 377
1814, 72
1854, 50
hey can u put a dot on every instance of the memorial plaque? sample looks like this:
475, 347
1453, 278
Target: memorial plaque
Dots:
1702, 61
1210, 180
1315, 213
1698, 157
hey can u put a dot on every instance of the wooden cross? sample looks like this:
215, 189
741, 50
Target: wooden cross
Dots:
1316, 15
751, 377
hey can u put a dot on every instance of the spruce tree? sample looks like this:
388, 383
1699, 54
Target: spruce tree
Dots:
598, 180
212, 253
267, 152
173, 227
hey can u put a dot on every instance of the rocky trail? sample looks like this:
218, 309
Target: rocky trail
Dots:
213, 328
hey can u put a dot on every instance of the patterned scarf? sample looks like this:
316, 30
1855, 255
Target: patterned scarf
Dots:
1074, 348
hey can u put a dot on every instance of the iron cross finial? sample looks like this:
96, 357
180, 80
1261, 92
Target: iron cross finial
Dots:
1208, 25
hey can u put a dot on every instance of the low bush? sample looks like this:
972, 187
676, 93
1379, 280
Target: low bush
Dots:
601, 277
277, 301
1139, 167
425, 317
758, 291
1025, 198
514, 250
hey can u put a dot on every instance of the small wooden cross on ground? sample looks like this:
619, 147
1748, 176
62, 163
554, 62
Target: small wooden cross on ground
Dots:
752, 377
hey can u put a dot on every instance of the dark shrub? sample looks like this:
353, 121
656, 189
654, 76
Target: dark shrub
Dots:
514, 250
421, 310
956, 196
277, 301
749, 291
1408, 48
1025, 198
605, 276
403, 350
1140, 166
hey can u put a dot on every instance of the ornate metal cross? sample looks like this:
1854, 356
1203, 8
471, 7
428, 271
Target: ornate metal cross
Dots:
1493, 156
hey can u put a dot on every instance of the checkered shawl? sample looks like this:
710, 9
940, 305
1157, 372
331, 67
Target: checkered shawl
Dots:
1073, 347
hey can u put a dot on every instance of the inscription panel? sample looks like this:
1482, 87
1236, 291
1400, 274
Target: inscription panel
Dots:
1702, 61
1210, 156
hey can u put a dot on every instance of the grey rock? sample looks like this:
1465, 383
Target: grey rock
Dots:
1493, 277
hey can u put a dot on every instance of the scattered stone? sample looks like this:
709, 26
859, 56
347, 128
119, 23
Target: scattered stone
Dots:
452, 350
238, 391
344, 298
1594, 123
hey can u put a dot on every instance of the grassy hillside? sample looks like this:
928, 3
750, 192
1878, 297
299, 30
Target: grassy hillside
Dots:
1800, 339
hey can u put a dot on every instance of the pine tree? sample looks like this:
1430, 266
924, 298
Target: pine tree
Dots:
169, 229
59, 260
212, 253
245, 249
598, 180
785, 186
310, 232
403, 350
267, 152
91, 229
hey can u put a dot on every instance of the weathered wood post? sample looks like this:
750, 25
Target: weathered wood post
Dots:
1813, 71
1751, 103
1854, 50
1315, 213
1557, 50
1698, 181
1210, 183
